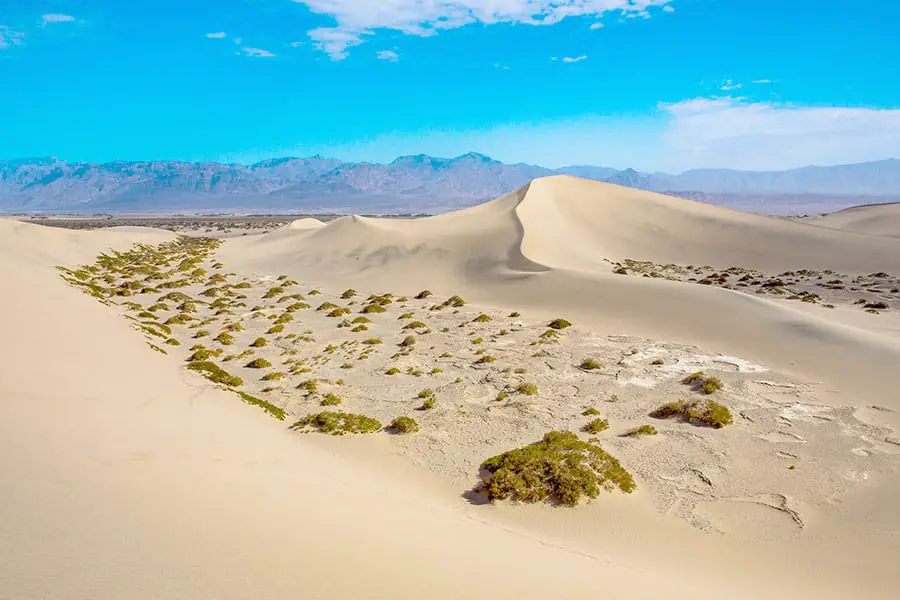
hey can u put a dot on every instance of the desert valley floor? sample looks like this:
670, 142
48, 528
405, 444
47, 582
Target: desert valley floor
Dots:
164, 398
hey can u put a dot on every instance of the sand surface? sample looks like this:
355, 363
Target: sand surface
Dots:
124, 475
880, 219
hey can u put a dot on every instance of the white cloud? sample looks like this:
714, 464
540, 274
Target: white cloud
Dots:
574, 59
597, 25
388, 55
55, 18
216, 35
9, 38
297, 44
729, 85
763, 81
734, 133
257, 52
357, 18
668, 8
501, 67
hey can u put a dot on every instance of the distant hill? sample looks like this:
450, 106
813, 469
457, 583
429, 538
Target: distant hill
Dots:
418, 183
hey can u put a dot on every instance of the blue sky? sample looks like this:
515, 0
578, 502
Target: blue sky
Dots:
651, 84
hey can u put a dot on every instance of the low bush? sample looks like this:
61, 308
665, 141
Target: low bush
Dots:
559, 324
258, 363
639, 431
589, 364
487, 358
707, 413
409, 340
273, 376
275, 329
348, 294
224, 338
339, 312
423, 294
590, 412
338, 423
215, 373
404, 425
310, 385
372, 342
415, 325
392, 371
560, 468
596, 426
482, 318
428, 404
528, 389
270, 408
700, 382
331, 400
373, 308
259, 342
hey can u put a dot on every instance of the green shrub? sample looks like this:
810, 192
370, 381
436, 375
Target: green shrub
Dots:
487, 358
528, 389
428, 404
172, 342
423, 294
372, 342
361, 319
590, 412
284, 318
707, 413
514, 314
596, 426
339, 312
404, 425
408, 315
275, 329
331, 400
409, 340
270, 408
224, 338
415, 325
258, 363
259, 343
559, 324
310, 385
348, 294
373, 308
338, 423
639, 431
215, 373
201, 333
179, 319
589, 364
482, 318
273, 376
275, 291
703, 383
327, 306
360, 328
392, 371
560, 467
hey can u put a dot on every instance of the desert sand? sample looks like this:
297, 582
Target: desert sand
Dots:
124, 474
879, 219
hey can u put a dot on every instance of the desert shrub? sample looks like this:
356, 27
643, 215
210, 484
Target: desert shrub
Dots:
270, 408
172, 342
331, 400
478, 340
590, 412
482, 318
215, 373
339, 312
224, 338
147, 315
259, 343
359, 328
514, 314
275, 291
596, 426
639, 431
258, 363
404, 425
408, 315
559, 324
437, 371
273, 376
296, 306
409, 340
392, 371
348, 294
179, 319
347, 365
426, 393
560, 467
201, 333
415, 325
703, 383
338, 423
423, 294
310, 385
372, 342
589, 364
528, 389
201, 354
327, 306
233, 327
487, 358
284, 318
428, 404
275, 329
520, 371
373, 308
658, 361
455, 302
707, 413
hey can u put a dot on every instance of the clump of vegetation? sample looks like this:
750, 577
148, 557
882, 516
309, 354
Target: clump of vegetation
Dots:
559, 324
270, 408
337, 423
590, 412
331, 400
408, 315
339, 312
703, 383
487, 358
275, 291
179, 319
514, 314
640, 431
482, 318
372, 342
404, 425
258, 363
392, 371
590, 364
408, 341
172, 342
273, 376
224, 338
596, 426
259, 342
361, 320
310, 385
201, 333
275, 329
426, 393
373, 308
415, 325
560, 467
215, 373
348, 294
327, 306
428, 404
528, 389
454, 301
658, 361
423, 294
707, 413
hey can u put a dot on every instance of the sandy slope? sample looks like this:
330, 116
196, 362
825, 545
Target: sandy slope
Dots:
880, 219
122, 476
548, 247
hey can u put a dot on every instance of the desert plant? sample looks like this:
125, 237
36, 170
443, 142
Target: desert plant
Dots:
392, 371
310, 385
415, 325
273, 376
514, 314
224, 338
423, 294
331, 400
275, 291
528, 389
275, 329
658, 361
258, 363
259, 343
590, 412
373, 308
372, 342
339, 312
590, 364
487, 358
640, 430
482, 318
559, 324
338, 423
270, 408
699, 412
596, 426
560, 467
703, 383
408, 341
404, 425
408, 315
215, 373
428, 404
348, 294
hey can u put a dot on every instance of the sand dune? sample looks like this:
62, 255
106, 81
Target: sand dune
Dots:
878, 219
549, 247
122, 475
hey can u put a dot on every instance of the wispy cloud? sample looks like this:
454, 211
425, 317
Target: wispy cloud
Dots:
763, 81
388, 55
357, 18
50, 19
9, 38
734, 133
216, 35
257, 52
729, 85
597, 25
574, 59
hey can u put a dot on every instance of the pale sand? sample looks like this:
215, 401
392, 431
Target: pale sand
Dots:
879, 219
124, 476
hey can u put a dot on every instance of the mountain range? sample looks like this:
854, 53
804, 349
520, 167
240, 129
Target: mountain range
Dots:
420, 184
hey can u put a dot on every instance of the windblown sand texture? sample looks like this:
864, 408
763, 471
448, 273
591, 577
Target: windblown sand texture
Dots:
153, 440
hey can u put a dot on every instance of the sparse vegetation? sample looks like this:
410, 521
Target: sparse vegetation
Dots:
590, 412
559, 324
482, 318
707, 413
640, 431
259, 342
486, 359
331, 400
270, 408
702, 383
527, 389
590, 364
337, 423
258, 363
596, 426
404, 425
560, 468
215, 373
